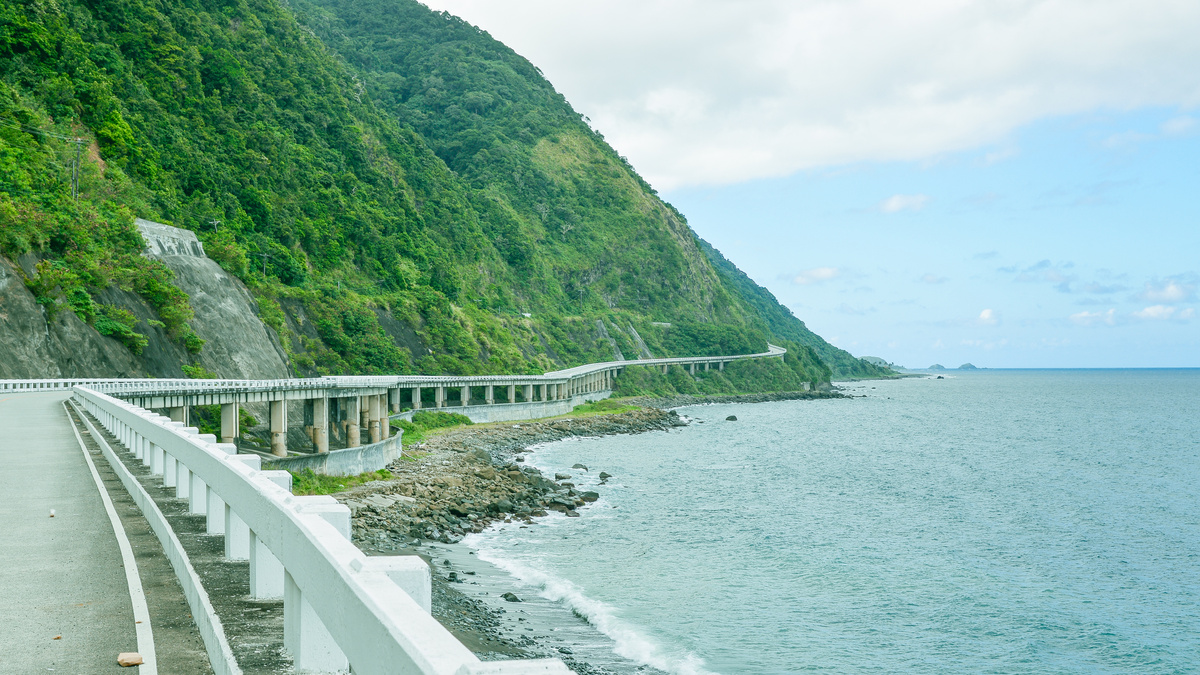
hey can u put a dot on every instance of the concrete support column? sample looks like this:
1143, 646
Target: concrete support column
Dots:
512, 393
183, 480
393, 400
266, 572
305, 636
353, 435
665, 369
707, 366
278, 428
416, 398
439, 397
692, 368
542, 391
320, 408
489, 394
528, 391
720, 365
156, 460
364, 411
229, 422
464, 396
178, 414
373, 415
237, 533
215, 506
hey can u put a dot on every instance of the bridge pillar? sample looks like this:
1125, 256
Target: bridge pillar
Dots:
439, 397
720, 365
692, 369
320, 408
364, 414
375, 429
229, 422
542, 392
528, 391
178, 414
489, 394
416, 398
279, 425
665, 369
512, 393
353, 433
393, 399
707, 366
464, 396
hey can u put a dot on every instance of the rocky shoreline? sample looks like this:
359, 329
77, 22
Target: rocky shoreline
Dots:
466, 479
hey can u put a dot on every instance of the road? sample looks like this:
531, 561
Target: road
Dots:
59, 576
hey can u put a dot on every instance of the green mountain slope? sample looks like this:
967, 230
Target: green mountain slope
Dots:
400, 191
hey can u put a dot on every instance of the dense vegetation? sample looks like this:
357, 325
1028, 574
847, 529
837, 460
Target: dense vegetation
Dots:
400, 191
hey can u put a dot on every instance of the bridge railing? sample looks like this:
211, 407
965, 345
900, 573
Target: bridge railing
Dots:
342, 609
167, 387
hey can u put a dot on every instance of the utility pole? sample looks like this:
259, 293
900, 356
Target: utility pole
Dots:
215, 223
264, 257
75, 168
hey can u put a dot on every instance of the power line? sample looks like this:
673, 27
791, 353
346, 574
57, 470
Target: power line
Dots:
76, 141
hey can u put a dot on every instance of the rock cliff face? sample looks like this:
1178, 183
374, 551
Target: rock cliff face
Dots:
238, 345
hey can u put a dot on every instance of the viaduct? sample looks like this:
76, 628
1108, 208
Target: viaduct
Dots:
71, 585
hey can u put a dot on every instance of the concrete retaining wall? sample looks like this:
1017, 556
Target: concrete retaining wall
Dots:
347, 462
507, 412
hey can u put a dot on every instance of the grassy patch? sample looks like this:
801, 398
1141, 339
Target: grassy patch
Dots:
426, 421
307, 482
608, 406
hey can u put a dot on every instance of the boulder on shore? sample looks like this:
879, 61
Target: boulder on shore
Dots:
731, 418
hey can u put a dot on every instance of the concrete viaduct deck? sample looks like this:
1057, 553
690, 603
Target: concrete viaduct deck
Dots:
345, 406
70, 575
62, 575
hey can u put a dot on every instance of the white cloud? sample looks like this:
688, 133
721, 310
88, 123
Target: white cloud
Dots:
1155, 312
1178, 126
1092, 318
817, 275
1169, 291
897, 203
1188, 313
988, 317
715, 92
933, 279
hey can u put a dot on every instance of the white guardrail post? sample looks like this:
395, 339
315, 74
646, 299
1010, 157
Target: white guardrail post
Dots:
342, 609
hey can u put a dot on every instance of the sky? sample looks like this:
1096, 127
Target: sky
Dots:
1011, 183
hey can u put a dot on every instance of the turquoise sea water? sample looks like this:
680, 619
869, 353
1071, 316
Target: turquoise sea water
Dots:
995, 521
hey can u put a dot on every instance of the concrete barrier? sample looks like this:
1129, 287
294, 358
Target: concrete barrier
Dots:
343, 611
509, 412
347, 462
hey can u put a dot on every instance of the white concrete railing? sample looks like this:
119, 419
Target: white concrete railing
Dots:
342, 609
132, 386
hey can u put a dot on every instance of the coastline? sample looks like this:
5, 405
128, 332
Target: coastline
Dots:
472, 478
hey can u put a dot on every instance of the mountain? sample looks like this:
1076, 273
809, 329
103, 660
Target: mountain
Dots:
396, 190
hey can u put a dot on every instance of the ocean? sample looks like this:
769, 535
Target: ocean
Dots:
994, 521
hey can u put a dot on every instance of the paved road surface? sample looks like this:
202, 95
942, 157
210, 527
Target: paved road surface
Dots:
62, 575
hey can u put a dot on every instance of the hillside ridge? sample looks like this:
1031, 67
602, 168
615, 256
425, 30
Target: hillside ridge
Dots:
397, 191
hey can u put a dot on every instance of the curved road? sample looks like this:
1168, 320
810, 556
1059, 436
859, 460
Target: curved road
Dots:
59, 576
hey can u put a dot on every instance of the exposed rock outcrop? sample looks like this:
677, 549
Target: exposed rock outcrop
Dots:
238, 345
